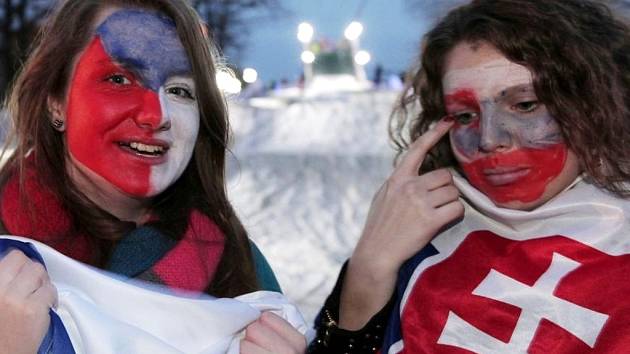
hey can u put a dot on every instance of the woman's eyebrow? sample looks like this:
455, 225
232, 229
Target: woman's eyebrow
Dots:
183, 75
461, 96
113, 64
514, 90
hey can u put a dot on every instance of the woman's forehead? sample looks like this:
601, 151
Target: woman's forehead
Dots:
483, 69
145, 42
488, 79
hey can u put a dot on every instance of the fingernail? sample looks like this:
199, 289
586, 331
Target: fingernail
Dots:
448, 119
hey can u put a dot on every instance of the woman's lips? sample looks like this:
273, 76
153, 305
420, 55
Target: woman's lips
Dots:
148, 151
505, 175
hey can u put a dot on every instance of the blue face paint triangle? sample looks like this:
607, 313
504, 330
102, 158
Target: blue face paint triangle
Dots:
146, 43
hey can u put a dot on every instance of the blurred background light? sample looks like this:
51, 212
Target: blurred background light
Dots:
307, 57
305, 32
362, 57
250, 75
353, 31
228, 83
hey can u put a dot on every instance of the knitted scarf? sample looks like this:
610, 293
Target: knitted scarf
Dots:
144, 253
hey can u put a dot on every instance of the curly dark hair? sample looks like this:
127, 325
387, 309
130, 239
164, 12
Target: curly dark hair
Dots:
46, 74
579, 56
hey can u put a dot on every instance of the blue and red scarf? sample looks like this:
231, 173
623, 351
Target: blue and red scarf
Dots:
144, 253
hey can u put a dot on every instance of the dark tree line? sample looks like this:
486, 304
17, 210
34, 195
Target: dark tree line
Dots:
228, 20
231, 21
18, 24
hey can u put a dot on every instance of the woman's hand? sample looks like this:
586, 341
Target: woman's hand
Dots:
405, 215
26, 295
272, 334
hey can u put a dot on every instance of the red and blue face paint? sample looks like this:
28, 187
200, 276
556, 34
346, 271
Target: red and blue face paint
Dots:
132, 117
509, 147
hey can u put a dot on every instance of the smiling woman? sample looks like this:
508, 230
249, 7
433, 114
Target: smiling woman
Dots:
121, 137
147, 78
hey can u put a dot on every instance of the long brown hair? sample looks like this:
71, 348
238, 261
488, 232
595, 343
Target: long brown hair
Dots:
202, 186
579, 55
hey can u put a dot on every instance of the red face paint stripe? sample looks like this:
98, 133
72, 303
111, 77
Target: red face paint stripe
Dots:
151, 114
463, 97
542, 166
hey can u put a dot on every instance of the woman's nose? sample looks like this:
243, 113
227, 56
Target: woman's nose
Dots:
150, 115
495, 136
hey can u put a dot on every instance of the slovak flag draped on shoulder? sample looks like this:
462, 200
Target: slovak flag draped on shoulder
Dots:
100, 314
551, 280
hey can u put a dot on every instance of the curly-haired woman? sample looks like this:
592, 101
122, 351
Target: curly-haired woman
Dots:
504, 226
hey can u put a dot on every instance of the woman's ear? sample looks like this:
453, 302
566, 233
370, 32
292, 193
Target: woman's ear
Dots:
55, 113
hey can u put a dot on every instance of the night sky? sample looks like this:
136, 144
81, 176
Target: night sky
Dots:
391, 34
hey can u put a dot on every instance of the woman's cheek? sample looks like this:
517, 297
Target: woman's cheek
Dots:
465, 142
184, 118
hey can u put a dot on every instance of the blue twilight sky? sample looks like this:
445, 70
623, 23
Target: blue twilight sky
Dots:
391, 35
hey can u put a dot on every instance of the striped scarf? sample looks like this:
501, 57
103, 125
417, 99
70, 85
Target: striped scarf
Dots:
143, 253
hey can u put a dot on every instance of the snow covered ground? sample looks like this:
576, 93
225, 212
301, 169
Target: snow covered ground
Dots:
302, 178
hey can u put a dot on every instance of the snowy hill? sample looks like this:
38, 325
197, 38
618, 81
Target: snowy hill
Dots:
302, 180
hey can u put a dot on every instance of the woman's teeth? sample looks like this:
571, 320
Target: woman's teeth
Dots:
146, 148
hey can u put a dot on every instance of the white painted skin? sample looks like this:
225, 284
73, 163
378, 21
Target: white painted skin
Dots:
487, 79
183, 116
500, 87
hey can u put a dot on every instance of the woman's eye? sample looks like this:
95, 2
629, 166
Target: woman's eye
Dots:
181, 92
119, 79
465, 117
526, 107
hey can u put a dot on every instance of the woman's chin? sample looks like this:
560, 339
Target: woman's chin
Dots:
530, 204
519, 205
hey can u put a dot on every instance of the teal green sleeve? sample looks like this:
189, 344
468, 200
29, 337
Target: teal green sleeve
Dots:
266, 278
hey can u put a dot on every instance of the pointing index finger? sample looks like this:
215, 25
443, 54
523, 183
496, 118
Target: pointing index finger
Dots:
412, 160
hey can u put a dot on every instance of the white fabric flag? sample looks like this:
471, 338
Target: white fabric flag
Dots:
106, 314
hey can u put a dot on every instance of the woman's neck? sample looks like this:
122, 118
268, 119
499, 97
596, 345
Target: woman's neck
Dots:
109, 198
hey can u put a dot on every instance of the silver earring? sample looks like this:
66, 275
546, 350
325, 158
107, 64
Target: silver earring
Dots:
58, 124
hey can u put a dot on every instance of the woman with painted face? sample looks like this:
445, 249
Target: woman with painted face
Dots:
504, 226
120, 141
